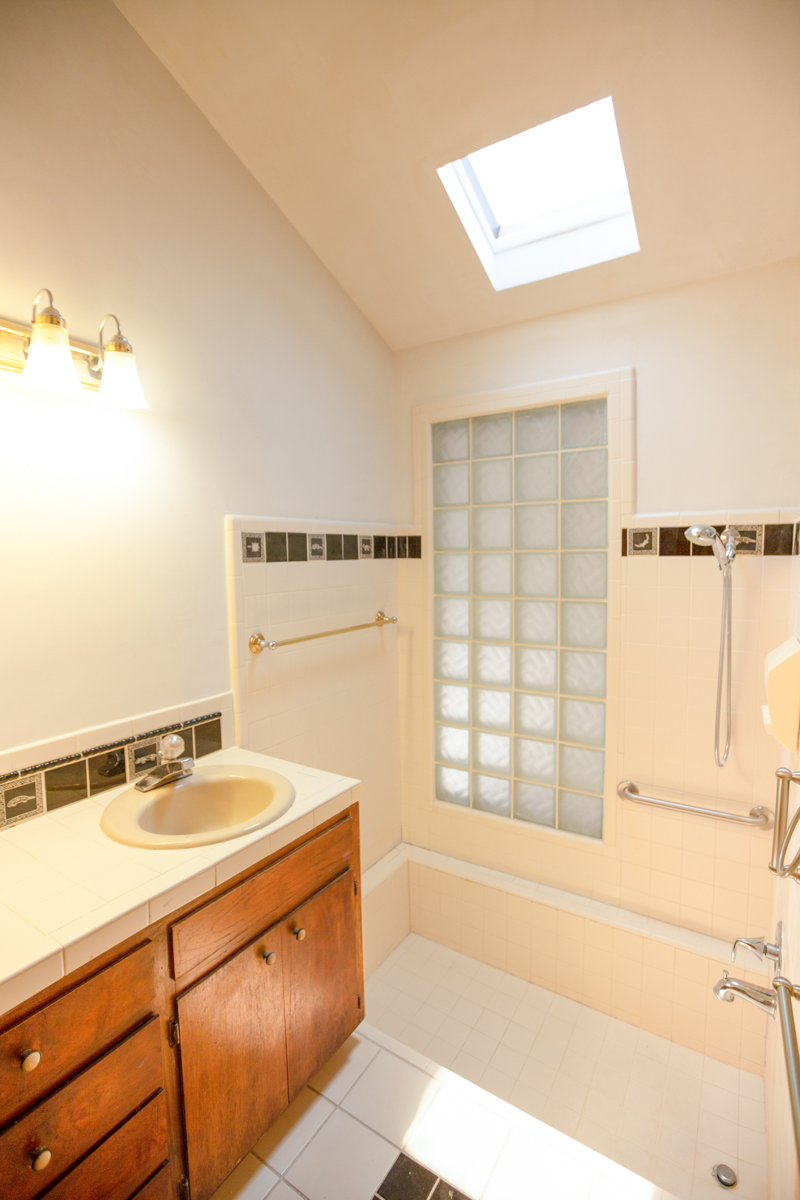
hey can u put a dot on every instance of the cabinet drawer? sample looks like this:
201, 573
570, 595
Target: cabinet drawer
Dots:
79, 1115
234, 918
157, 1188
120, 1164
73, 1029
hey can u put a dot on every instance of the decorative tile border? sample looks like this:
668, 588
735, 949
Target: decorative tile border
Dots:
50, 785
271, 547
670, 540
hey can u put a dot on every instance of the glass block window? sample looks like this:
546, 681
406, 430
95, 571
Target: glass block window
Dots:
520, 530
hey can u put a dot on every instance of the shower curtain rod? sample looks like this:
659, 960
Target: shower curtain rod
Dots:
759, 817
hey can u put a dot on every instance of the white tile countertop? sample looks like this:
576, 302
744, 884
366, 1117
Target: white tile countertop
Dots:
69, 893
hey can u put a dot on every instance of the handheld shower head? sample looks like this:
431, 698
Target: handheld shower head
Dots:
706, 535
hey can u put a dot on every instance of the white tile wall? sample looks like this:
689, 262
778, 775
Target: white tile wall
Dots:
332, 703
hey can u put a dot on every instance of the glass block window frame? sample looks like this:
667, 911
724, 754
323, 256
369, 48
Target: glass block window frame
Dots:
520, 538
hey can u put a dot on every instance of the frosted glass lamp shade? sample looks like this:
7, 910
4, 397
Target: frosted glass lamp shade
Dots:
120, 387
49, 366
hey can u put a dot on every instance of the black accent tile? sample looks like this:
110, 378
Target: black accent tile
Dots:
142, 757
316, 547
106, 771
65, 785
140, 737
207, 738
333, 546
673, 542
21, 799
445, 1192
365, 546
107, 746
402, 546
704, 551
415, 546
624, 543
391, 547
778, 539
350, 545
407, 1180
643, 541
276, 547
796, 547
298, 547
379, 546
53, 762
253, 547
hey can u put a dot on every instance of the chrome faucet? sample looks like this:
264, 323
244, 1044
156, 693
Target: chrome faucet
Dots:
171, 766
728, 989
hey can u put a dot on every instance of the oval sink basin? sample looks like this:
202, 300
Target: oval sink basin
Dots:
213, 804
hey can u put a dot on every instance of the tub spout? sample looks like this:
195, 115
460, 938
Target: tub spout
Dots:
728, 989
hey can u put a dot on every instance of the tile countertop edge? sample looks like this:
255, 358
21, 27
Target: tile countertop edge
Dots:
28, 968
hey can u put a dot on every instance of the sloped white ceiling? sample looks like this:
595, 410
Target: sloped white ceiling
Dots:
343, 110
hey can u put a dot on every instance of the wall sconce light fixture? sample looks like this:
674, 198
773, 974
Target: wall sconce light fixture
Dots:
50, 361
115, 366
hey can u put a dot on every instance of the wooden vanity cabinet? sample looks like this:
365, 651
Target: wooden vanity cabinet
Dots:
157, 1066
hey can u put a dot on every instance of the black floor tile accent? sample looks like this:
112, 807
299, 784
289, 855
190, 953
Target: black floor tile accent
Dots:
409, 1180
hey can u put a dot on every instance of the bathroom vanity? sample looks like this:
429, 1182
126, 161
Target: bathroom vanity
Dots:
151, 1071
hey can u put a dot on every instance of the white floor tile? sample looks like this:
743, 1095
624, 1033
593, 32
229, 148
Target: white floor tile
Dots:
556, 1174
459, 1140
340, 1072
280, 1146
643, 1101
390, 1097
343, 1161
284, 1192
251, 1180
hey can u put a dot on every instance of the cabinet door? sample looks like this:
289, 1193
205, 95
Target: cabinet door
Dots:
322, 978
233, 1060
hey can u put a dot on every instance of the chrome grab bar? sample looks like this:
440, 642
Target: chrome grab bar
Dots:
759, 817
786, 991
258, 642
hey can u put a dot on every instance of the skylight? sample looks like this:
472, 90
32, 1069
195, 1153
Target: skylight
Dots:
547, 201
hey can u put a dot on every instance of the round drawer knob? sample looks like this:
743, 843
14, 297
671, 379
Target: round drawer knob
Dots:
29, 1060
299, 934
269, 957
41, 1159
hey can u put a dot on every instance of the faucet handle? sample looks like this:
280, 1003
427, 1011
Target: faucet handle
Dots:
170, 747
759, 946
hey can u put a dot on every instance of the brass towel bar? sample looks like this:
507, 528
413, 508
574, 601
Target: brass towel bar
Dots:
258, 642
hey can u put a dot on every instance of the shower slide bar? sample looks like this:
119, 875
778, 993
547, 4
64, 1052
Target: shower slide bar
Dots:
759, 817
258, 642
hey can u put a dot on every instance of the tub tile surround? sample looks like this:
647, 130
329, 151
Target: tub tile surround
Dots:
663, 636
654, 1107
332, 703
380, 1116
68, 893
648, 973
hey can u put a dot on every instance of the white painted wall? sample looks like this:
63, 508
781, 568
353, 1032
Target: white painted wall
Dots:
268, 390
717, 381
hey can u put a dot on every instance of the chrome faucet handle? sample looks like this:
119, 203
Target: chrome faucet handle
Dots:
170, 747
759, 946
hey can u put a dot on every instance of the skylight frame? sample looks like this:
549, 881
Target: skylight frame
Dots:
593, 230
